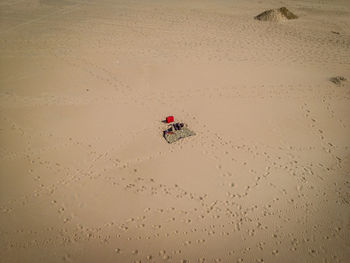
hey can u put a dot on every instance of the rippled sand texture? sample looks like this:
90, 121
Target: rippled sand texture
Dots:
85, 175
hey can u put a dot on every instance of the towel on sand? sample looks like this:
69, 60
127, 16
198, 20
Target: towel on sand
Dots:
172, 135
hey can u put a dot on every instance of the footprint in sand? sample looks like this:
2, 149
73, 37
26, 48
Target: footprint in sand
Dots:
166, 257
188, 242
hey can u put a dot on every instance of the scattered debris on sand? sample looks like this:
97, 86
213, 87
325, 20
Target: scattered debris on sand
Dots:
276, 15
338, 80
177, 131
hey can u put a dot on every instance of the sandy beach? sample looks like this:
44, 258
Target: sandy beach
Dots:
86, 175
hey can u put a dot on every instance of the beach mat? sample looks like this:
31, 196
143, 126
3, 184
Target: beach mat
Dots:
175, 135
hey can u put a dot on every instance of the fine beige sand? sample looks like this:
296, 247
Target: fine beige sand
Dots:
86, 176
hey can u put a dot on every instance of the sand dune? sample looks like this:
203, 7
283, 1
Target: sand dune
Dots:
86, 176
276, 15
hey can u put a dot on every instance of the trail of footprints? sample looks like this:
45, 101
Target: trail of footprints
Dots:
222, 210
229, 208
327, 145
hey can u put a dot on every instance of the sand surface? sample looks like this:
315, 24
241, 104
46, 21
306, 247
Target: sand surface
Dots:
85, 175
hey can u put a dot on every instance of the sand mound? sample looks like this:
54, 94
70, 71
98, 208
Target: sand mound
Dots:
276, 15
338, 80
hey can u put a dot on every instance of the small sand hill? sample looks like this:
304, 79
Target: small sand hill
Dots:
338, 80
276, 15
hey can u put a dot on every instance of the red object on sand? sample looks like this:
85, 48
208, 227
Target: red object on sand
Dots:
169, 119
